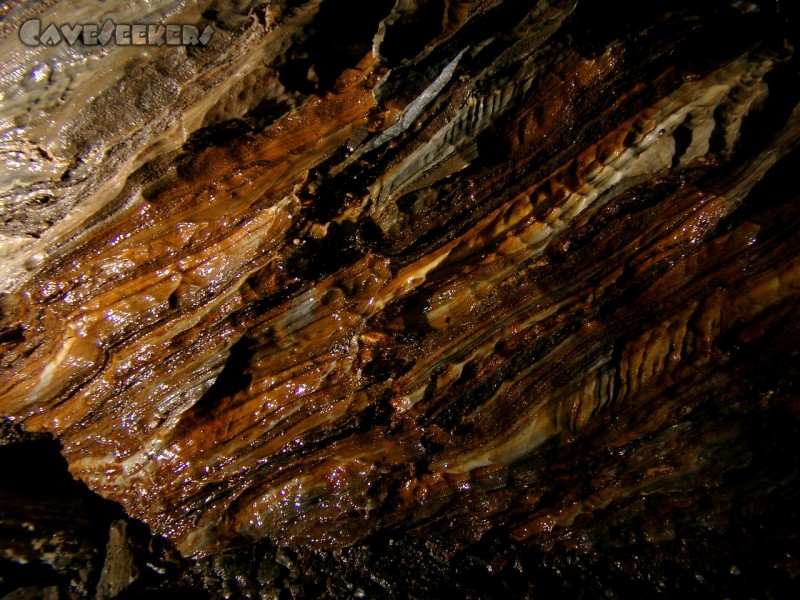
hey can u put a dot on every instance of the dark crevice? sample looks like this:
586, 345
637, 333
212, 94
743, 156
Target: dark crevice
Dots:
54, 530
232, 379
339, 37
775, 189
760, 125
408, 36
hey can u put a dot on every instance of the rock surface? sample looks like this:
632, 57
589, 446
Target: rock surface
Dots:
409, 299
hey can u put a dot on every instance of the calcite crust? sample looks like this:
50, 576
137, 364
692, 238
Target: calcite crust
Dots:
310, 283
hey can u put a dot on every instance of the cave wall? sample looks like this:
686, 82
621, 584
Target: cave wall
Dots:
409, 298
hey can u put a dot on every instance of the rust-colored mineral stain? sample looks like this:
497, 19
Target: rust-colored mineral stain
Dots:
510, 312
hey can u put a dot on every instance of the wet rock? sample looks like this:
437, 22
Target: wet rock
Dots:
408, 299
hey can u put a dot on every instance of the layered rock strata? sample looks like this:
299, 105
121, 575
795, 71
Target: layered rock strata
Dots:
462, 271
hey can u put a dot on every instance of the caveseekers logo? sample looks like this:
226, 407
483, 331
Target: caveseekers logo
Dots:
91, 34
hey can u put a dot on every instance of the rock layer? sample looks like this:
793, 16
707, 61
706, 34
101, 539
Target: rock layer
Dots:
464, 271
